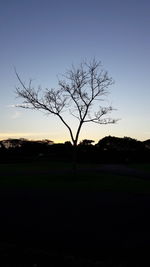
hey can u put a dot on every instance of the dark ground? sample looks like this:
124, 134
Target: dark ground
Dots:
74, 228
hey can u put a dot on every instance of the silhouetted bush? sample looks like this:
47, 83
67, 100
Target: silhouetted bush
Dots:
107, 150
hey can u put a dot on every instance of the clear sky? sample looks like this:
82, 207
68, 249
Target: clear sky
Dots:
43, 38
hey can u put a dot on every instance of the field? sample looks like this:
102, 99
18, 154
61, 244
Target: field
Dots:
98, 216
60, 176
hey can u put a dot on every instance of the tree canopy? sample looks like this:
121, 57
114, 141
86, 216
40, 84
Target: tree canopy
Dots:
77, 93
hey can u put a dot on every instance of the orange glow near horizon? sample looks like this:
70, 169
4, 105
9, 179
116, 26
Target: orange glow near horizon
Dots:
42, 136
31, 136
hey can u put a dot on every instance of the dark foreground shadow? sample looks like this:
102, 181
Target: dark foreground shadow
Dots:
40, 226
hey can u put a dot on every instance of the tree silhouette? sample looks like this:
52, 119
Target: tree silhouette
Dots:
86, 142
78, 91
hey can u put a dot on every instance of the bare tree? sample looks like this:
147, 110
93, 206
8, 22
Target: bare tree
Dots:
78, 91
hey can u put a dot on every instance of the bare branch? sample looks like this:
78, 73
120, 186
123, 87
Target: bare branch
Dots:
77, 94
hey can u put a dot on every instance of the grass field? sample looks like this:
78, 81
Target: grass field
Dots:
111, 219
59, 176
144, 166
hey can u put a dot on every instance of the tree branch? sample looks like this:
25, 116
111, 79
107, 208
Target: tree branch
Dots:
84, 85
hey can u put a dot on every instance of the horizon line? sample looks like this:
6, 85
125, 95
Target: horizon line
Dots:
32, 137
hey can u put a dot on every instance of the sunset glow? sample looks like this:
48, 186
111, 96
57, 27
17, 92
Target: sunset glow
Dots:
42, 39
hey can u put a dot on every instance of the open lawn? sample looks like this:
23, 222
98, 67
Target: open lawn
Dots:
60, 176
98, 217
144, 166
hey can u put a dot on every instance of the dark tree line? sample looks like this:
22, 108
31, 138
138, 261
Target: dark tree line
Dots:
108, 150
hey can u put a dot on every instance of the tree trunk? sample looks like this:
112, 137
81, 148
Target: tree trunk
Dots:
74, 159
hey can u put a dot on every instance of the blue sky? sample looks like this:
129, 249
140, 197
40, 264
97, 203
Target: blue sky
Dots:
43, 38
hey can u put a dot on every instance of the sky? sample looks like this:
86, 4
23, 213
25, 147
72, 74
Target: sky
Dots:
43, 38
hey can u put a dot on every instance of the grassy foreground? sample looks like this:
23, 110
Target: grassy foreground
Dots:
59, 176
144, 166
